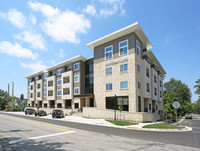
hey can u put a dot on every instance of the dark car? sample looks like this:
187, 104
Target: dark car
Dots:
188, 116
29, 111
57, 113
40, 113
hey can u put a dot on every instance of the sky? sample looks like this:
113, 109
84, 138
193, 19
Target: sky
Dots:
38, 34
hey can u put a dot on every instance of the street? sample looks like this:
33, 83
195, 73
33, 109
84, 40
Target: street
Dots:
35, 133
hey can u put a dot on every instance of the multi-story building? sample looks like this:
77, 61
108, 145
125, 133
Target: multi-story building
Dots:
123, 71
67, 85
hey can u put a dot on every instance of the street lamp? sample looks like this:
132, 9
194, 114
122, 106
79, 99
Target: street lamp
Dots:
115, 106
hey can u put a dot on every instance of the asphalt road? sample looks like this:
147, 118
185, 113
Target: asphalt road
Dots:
90, 137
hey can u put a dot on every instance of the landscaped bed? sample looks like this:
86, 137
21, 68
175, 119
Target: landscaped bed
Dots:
121, 123
163, 126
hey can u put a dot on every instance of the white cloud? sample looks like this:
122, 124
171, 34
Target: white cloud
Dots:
35, 40
61, 53
16, 50
33, 19
90, 9
115, 7
38, 66
61, 26
15, 17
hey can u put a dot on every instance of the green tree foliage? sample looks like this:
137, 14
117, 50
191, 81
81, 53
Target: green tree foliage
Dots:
3, 99
197, 86
175, 90
22, 96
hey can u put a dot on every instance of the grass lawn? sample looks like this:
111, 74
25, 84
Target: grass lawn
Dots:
162, 126
121, 123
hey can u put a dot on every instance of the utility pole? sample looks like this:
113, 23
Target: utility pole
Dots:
12, 96
8, 92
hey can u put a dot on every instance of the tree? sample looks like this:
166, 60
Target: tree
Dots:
3, 99
22, 96
120, 106
175, 90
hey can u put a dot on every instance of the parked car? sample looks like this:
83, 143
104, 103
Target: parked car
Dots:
29, 111
40, 113
188, 116
57, 113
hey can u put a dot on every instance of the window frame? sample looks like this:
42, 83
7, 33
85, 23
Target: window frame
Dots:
59, 72
60, 82
122, 83
75, 78
45, 85
123, 67
60, 92
123, 47
137, 49
108, 86
107, 69
108, 52
138, 65
75, 90
75, 66
139, 83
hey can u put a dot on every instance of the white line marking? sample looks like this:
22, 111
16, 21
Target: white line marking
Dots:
38, 137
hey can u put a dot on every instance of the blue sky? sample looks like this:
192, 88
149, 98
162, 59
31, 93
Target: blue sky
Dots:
38, 34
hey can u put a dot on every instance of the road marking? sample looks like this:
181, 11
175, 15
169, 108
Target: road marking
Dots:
38, 137
18, 119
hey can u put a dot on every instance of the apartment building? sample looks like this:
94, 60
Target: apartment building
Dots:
67, 86
123, 70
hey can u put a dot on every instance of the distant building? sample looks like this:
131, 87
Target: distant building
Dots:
122, 70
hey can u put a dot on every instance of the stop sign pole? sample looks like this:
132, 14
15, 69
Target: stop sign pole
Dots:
176, 105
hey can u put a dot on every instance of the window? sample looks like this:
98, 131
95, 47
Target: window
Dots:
138, 67
50, 83
147, 72
45, 93
31, 87
38, 85
59, 92
76, 78
76, 90
50, 93
108, 52
59, 105
66, 91
108, 86
59, 72
161, 94
124, 67
45, 75
76, 66
109, 71
139, 85
31, 95
138, 48
160, 83
65, 80
155, 79
124, 85
68, 104
149, 106
45, 105
38, 94
76, 105
59, 82
123, 47
155, 91
148, 87
156, 107
139, 103
45, 85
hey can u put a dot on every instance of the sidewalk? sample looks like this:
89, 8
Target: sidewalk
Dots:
103, 122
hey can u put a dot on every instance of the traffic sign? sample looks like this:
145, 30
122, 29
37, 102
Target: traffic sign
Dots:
176, 104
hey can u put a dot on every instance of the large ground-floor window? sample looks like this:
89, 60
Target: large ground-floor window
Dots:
68, 104
113, 102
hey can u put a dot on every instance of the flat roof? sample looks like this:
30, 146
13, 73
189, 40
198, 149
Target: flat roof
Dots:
122, 32
155, 61
59, 65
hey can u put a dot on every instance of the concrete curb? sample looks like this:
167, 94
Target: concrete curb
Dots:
103, 122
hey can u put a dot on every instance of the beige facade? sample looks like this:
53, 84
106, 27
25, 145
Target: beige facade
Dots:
139, 87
